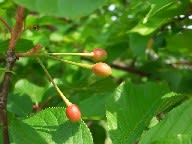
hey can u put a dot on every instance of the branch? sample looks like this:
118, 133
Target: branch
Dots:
30, 52
129, 69
5, 23
10, 61
124, 67
15, 34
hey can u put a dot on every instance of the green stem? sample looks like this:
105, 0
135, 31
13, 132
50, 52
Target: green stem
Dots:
66, 101
91, 54
88, 66
73, 54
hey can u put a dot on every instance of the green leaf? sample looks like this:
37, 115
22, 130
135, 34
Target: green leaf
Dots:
180, 43
160, 12
148, 28
22, 45
23, 86
159, 5
50, 126
21, 105
97, 103
91, 93
114, 52
179, 80
62, 8
175, 128
98, 132
23, 133
86, 88
138, 44
1, 136
3, 70
130, 109
179, 139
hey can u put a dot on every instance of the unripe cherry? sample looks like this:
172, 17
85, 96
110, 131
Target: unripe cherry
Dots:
73, 113
99, 54
102, 69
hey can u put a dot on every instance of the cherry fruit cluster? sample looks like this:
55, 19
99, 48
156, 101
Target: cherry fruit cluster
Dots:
99, 68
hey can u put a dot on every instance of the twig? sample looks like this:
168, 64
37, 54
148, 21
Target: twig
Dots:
126, 68
10, 61
129, 69
31, 52
15, 34
65, 100
5, 23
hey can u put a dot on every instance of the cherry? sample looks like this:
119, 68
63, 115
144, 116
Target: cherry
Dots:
102, 69
73, 113
99, 54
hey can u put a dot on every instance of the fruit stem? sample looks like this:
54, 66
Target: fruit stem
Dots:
74, 54
87, 66
66, 101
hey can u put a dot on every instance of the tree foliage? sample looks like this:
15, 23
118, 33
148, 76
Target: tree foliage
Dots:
146, 100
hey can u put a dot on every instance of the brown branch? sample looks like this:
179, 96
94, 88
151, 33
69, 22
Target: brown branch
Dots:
129, 69
124, 67
15, 34
10, 61
30, 52
5, 23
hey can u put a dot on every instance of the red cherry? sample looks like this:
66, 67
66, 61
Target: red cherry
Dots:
102, 69
99, 54
73, 113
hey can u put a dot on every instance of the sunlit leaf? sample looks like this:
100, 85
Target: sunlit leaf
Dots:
50, 126
130, 109
62, 8
175, 128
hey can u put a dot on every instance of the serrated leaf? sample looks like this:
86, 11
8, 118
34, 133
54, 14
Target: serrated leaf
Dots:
23, 86
50, 126
130, 109
61, 8
23, 133
175, 128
